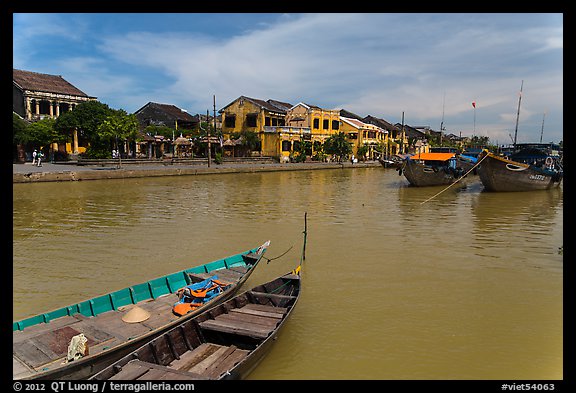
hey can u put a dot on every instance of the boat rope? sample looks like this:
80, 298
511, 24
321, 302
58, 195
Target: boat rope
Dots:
460, 178
281, 255
302, 257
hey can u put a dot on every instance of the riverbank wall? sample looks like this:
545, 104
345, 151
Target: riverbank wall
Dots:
27, 173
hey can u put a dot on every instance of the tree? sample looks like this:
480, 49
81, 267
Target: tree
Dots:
20, 133
338, 145
20, 136
362, 151
118, 126
85, 118
250, 140
164, 131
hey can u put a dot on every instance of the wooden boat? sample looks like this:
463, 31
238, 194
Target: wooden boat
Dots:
76, 341
226, 342
434, 169
527, 169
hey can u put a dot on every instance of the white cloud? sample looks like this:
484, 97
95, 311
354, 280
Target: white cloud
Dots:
379, 64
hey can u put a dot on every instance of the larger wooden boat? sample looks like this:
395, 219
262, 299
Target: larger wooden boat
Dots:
434, 169
77, 341
528, 169
226, 342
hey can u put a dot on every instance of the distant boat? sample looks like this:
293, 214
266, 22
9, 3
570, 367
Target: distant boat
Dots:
392, 161
226, 342
531, 167
77, 341
435, 168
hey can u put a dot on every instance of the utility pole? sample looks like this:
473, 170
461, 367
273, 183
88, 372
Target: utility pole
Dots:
403, 135
442, 122
215, 132
208, 130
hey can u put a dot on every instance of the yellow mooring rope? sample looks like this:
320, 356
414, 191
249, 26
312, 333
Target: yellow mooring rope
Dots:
451, 184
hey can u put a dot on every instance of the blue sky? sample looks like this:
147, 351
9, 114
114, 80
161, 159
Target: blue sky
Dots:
431, 67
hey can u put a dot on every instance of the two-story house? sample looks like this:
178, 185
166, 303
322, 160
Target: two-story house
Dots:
36, 96
246, 114
359, 134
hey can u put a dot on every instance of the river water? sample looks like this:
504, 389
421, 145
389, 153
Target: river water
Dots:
466, 285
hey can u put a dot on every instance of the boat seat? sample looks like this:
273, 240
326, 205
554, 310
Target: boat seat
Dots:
139, 370
209, 359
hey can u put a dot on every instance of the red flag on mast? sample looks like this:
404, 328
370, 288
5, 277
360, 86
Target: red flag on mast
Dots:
474, 104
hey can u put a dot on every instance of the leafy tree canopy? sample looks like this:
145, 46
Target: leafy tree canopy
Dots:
85, 117
338, 145
118, 125
20, 133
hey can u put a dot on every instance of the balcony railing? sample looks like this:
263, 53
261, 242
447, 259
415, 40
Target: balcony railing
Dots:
287, 130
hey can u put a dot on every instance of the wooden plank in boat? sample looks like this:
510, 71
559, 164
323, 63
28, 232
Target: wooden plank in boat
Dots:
235, 356
256, 331
191, 358
161, 313
273, 297
53, 345
265, 307
139, 370
225, 275
201, 367
19, 369
249, 311
112, 323
248, 319
130, 371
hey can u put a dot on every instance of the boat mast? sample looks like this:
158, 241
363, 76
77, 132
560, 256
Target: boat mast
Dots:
518, 114
542, 131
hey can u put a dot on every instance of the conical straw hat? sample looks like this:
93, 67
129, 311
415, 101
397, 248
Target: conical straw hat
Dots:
135, 315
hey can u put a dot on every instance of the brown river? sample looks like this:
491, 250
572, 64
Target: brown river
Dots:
466, 285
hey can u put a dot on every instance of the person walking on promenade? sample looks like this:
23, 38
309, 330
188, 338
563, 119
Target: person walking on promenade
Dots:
39, 157
34, 154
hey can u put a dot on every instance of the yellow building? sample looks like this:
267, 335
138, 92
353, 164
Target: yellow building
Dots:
255, 115
319, 124
363, 134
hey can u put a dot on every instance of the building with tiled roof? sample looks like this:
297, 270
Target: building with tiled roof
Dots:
360, 134
36, 96
246, 114
167, 115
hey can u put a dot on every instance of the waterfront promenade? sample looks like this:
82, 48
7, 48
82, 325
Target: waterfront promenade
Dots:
50, 172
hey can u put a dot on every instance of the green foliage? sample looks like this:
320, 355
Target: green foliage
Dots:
20, 133
86, 117
97, 151
42, 131
164, 131
362, 150
479, 141
118, 125
250, 140
338, 145
218, 158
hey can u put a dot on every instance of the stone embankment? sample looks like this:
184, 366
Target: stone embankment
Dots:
56, 172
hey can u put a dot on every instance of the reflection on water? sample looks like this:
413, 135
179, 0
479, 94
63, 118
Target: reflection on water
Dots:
467, 285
